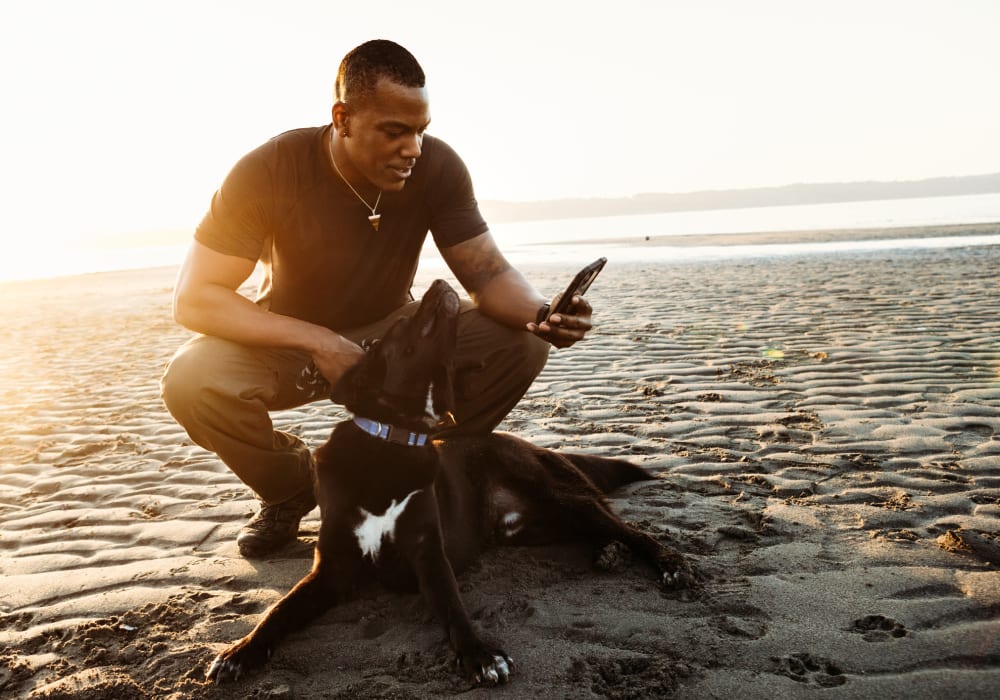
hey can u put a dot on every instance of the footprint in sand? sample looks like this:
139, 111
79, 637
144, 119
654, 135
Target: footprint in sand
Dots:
968, 436
878, 628
741, 626
630, 677
806, 668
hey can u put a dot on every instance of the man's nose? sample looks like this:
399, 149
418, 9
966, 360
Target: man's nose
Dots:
413, 146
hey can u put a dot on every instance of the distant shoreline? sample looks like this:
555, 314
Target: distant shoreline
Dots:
521, 254
797, 194
789, 237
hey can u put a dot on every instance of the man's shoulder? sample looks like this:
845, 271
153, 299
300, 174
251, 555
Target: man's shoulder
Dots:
302, 139
288, 144
290, 157
302, 135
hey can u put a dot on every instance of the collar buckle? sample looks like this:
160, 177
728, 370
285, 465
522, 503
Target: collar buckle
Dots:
391, 433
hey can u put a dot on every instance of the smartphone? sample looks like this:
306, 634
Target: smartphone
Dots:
580, 284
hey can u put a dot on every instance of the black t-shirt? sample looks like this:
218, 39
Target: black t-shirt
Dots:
284, 205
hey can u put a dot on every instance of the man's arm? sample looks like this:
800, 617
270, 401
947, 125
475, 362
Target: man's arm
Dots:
206, 301
502, 293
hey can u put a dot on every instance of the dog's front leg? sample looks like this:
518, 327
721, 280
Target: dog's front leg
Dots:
481, 662
310, 597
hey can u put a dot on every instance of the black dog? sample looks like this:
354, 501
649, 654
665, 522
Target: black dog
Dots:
408, 511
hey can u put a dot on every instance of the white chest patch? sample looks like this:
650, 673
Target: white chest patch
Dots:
374, 528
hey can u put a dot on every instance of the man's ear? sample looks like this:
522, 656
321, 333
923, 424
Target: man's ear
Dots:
339, 113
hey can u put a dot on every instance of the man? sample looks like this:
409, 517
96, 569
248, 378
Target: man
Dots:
337, 216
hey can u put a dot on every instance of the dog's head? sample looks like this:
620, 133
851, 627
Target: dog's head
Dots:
406, 378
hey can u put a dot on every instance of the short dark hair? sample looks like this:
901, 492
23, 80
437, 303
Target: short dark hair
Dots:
364, 65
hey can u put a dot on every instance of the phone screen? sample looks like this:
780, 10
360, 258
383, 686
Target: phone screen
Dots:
580, 284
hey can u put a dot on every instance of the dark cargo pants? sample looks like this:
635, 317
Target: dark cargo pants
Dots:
221, 393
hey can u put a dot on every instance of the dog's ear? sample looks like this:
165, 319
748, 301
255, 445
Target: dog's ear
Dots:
347, 389
350, 389
358, 379
443, 396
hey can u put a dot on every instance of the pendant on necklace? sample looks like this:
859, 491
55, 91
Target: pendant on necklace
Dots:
374, 219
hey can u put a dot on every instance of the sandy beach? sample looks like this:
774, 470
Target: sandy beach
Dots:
825, 430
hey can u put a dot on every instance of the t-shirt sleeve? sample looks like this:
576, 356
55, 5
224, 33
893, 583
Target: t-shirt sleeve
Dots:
239, 219
455, 215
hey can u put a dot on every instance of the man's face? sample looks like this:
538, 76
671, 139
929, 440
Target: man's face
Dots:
386, 134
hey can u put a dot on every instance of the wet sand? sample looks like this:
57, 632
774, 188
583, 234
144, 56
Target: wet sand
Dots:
824, 429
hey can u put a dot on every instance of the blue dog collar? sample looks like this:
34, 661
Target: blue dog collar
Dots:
391, 433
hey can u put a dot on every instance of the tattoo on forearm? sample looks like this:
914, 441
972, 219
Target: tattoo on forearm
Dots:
481, 264
486, 270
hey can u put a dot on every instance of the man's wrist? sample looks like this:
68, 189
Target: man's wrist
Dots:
317, 340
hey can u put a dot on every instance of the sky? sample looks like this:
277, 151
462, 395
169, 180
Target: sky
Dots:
121, 118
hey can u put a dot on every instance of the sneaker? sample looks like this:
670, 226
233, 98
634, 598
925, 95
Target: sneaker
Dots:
274, 526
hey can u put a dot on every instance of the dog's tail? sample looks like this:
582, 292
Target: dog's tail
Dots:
607, 473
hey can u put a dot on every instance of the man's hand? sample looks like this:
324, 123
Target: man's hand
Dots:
565, 329
334, 355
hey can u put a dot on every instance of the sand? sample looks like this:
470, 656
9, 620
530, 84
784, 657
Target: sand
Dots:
826, 432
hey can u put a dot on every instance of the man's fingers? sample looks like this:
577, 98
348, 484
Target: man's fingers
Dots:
574, 323
565, 329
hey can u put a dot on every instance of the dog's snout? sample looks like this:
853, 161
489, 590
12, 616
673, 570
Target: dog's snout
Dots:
439, 302
449, 301
444, 296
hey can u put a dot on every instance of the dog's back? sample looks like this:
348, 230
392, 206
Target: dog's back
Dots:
501, 489
608, 473
518, 456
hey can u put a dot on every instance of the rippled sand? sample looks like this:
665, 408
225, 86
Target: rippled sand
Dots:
825, 430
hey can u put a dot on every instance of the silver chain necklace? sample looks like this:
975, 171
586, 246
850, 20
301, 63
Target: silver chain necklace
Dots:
374, 218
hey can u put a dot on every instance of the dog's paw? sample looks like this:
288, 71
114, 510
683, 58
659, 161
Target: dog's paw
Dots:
614, 557
677, 574
240, 659
486, 666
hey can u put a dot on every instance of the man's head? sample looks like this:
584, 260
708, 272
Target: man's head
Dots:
380, 114
363, 66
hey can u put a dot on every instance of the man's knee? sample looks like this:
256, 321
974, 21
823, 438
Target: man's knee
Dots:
204, 371
182, 382
518, 359
518, 356
534, 353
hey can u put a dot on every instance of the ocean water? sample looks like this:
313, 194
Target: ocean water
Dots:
887, 213
545, 241
540, 240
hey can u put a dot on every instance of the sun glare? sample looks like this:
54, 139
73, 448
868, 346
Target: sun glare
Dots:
43, 257
653, 97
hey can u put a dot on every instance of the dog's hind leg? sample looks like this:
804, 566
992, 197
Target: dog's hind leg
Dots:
674, 569
576, 484
592, 518
309, 599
